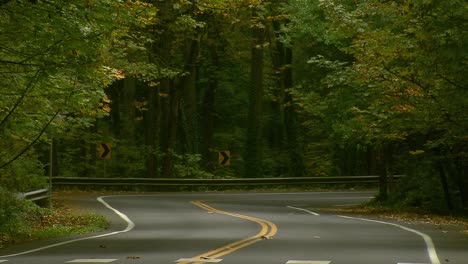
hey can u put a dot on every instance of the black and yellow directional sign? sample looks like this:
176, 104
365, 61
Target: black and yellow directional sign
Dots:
105, 151
224, 158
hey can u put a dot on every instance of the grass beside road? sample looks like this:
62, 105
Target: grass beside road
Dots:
29, 222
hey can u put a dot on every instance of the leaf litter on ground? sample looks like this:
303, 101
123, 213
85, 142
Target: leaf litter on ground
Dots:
460, 223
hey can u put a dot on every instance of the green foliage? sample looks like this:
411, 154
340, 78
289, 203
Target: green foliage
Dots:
385, 73
389, 75
26, 174
275, 163
189, 166
10, 213
128, 160
420, 189
22, 220
17, 217
401, 61
56, 60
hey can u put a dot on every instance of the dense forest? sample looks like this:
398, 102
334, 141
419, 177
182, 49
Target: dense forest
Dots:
289, 88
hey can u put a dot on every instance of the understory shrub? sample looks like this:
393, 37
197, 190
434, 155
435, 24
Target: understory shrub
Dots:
24, 175
15, 215
22, 220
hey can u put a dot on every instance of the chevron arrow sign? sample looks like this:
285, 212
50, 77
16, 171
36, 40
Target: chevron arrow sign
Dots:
224, 158
104, 151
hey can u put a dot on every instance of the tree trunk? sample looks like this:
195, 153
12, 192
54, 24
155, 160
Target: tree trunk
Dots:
382, 169
164, 124
276, 126
128, 109
152, 132
55, 163
461, 169
189, 107
253, 155
172, 109
372, 164
389, 167
297, 167
445, 185
114, 95
207, 117
168, 96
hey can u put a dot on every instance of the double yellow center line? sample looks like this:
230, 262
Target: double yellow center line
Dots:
268, 230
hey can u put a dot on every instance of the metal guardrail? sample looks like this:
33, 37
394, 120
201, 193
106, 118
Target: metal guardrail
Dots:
165, 182
41, 194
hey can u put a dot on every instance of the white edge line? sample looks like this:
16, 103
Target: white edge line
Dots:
344, 205
91, 261
198, 260
130, 226
304, 210
307, 262
431, 250
410, 263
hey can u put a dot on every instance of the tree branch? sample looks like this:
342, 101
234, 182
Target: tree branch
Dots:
451, 82
43, 53
32, 143
445, 113
18, 63
23, 95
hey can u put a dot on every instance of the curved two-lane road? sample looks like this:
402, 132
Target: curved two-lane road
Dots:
249, 228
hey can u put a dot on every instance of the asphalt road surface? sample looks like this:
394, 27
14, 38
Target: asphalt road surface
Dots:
247, 228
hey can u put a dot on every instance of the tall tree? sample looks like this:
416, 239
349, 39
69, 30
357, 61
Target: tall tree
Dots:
282, 59
253, 155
